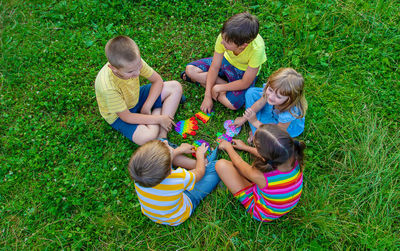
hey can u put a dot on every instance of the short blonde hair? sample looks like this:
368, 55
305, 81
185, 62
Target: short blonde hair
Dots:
121, 50
150, 164
288, 82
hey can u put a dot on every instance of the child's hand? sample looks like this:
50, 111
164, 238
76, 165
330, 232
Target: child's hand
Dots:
250, 115
185, 148
166, 122
224, 145
215, 91
239, 121
238, 144
207, 105
201, 150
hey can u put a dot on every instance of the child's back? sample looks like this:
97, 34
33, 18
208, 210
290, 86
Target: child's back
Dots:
272, 186
169, 196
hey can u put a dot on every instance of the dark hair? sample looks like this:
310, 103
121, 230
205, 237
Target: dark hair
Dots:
150, 164
275, 147
121, 50
240, 28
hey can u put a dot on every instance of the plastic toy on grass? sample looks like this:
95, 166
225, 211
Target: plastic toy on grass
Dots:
231, 131
198, 143
188, 126
204, 117
223, 136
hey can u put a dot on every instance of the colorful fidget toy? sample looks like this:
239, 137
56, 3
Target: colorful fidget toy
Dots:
204, 117
198, 143
188, 126
230, 129
223, 137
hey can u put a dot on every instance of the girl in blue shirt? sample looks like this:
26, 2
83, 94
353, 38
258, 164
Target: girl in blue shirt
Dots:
280, 102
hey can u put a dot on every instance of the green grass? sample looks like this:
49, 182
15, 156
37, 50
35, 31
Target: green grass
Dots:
63, 177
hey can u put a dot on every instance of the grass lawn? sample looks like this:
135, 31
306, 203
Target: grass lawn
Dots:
63, 177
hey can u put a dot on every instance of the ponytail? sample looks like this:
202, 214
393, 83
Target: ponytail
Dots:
299, 147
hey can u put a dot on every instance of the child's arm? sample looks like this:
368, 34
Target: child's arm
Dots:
164, 121
200, 162
240, 145
243, 167
207, 104
155, 91
239, 121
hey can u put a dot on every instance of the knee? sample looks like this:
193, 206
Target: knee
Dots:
150, 134
221, 165
191, 70
173, 87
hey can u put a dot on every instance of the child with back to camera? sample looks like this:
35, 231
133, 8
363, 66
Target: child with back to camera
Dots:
140, 113
169, 196
281, 102
238, 56
272, 185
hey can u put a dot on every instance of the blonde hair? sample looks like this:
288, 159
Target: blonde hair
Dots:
275, 146
150, 164
121, 50
288, 82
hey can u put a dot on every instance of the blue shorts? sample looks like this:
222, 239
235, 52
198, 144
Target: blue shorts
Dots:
129, 129
229, 73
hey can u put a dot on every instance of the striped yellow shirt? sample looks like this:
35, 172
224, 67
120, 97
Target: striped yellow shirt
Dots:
166, 203
114, 94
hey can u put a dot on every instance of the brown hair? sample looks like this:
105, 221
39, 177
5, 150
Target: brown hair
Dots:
150, 164
275, 147
288, 82
121, 50
240, 28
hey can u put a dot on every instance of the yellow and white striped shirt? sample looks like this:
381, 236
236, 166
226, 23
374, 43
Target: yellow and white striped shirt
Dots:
114, 94
166, 203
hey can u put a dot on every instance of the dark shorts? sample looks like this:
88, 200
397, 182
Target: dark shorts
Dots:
129, 129
229, 73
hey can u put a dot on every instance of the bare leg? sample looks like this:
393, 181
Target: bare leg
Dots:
198, 75
224, 100
145, 133
170, 95
231, 177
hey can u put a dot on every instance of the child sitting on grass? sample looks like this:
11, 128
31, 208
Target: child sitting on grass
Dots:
281, 102
272, 185
169, 196
238, 56
140, 113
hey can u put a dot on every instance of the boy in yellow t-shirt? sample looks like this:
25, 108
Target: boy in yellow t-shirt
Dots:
238, 56
140, 113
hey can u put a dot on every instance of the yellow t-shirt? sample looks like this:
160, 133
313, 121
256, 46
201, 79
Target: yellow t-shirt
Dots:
253, 55
114, 94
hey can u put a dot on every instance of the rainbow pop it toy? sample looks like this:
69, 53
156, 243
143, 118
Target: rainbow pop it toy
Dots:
188, 126
198, 143
204, 117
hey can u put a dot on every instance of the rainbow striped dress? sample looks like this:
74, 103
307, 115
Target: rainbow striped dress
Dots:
277, 198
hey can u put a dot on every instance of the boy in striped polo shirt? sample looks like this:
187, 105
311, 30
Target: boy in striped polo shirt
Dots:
166, 195
140, 113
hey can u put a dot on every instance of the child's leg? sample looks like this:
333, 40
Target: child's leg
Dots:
145, 133
197, 71
231, 177
170, 95
205, 186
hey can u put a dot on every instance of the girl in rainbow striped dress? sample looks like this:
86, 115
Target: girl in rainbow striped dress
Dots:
272, 185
